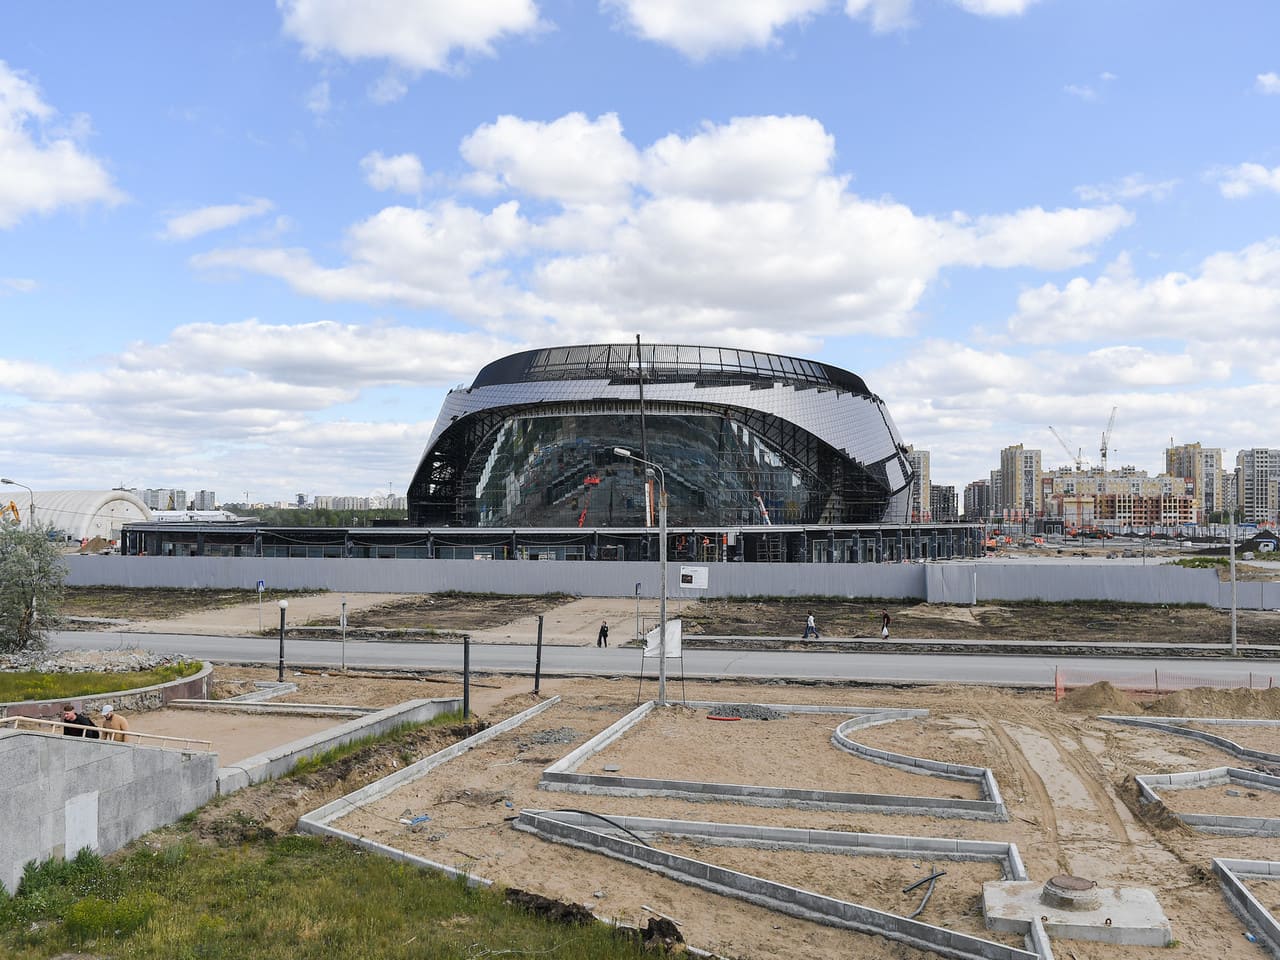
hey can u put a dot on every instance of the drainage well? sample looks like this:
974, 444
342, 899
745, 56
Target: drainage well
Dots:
1074, 908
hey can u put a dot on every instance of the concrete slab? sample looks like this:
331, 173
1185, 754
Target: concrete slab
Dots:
1125, 916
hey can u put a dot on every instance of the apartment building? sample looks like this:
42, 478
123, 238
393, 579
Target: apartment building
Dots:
921, 507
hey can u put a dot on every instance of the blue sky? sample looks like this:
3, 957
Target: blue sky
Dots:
247, 247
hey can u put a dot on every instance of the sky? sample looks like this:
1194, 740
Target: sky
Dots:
248, 247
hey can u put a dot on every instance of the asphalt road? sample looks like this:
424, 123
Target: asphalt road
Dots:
741, 664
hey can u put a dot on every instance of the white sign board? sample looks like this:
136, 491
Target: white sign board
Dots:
693, 578
651, 644
262, 585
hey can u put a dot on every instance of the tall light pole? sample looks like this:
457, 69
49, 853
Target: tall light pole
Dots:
31, 500
662, 563
284, 605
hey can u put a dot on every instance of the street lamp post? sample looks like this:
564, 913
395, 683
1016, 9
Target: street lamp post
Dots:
284, 605
31, 500
662, 564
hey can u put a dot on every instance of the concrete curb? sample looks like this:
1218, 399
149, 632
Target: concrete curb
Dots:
568, 828
280, 760
317, 822
275, 709
983, 777
1175, 725
1244, 904
561, 776
1215, 823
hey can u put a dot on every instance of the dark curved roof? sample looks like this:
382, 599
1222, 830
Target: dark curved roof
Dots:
665, 362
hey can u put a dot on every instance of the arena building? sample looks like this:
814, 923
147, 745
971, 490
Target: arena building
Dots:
744, 438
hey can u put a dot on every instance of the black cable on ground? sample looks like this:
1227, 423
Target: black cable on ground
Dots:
612, 823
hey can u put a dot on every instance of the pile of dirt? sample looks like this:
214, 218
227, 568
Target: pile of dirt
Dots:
1099, 698
1237, 703
1154, 814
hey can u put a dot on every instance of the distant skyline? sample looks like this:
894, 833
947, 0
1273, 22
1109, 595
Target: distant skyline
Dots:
249, 247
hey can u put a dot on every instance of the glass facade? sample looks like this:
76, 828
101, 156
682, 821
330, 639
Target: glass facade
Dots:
561, 471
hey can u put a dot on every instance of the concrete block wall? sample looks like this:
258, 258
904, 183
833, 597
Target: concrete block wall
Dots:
59, 794
942, 582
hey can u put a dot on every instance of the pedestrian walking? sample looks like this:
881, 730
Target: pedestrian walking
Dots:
113, 725
76, 723
884, 624
810, 629
602, 638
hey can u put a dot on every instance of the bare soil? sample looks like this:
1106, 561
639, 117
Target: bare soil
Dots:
1065, 775
491, 618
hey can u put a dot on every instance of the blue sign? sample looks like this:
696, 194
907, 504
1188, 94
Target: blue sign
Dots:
262, 585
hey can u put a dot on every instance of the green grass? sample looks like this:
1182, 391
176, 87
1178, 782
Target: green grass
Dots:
333, 754
284, 898
1201, 563
34, 685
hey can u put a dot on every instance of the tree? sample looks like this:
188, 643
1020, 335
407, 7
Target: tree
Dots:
31, 588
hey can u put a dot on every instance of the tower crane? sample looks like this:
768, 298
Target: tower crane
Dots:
1075, 458
1106, 438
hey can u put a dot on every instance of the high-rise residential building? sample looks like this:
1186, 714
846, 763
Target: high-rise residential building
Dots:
942, 502
1230, 490
921, 507
1020, 474
164, 498
996, 505
205, 500
977, 500
1203, 467
1257, 477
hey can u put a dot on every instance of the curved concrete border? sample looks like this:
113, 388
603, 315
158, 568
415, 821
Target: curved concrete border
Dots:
139, 698
1177, 727
562, 776
982, 777
1242, 901
1215, 823
571, 829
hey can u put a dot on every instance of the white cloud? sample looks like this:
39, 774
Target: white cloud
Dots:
701, 29
388, 88
247, 405
883, 14
996, 8
1081, 91
414, 36
1134, 186
42, 169
887, 15
1247, 178
194, 223
1268, 83
571, 159
17, 285
402, 173
1235, 294
317, 99
739, 230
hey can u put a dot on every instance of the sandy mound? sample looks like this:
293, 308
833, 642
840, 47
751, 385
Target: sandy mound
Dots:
1099, 698
1239, 703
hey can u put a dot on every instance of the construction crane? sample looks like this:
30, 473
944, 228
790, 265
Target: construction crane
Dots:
1106, 439
1076, 457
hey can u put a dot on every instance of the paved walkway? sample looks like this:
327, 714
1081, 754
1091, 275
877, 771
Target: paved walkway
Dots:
242, 619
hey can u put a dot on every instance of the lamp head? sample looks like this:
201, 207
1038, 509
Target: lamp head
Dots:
284, 604
620, 451
7, 480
